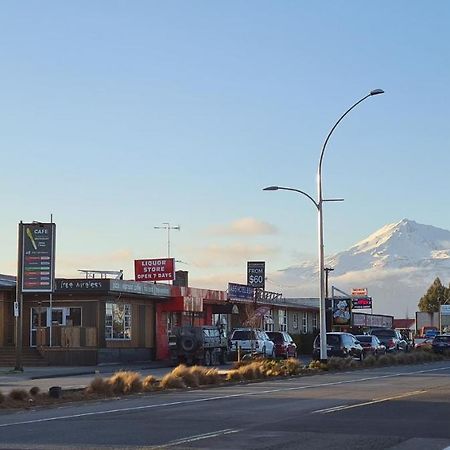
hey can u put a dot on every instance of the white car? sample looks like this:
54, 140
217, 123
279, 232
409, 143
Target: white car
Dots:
252, 340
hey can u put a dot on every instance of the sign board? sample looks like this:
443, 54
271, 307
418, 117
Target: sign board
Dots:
360, 292
162, 269
38, 256
341, 311
445, 310
362, 303
240, 291
256, 274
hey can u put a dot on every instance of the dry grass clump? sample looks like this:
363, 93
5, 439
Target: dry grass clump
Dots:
234, 375
251, 371
171, 381
18, 395
126, 382
206, 376
149, 383
190, 378
293, 366
99, 386
370, 361
34, 391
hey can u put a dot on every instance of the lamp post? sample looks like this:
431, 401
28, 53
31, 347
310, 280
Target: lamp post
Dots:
319, 206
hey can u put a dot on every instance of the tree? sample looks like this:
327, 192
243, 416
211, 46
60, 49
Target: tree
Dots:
435, 296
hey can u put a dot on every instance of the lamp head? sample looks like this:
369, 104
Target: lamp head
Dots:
376, 92
271, 188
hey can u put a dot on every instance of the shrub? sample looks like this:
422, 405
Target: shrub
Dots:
34, 391
99, 386
171, 381
370, 361
334, 363
149, 383
18, 395
292, 366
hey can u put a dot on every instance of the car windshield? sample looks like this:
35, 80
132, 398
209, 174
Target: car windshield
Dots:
242, 335
386, 333
364, 338
333, 339
275, 337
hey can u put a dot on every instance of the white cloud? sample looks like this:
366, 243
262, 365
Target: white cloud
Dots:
247, 226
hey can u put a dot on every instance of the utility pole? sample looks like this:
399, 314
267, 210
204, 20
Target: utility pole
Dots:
166, 226
327, 269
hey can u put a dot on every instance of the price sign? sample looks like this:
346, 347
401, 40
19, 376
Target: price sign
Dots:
256, 274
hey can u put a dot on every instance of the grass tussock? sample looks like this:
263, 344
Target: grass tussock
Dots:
190, 378
18, 395
171, 381
99, 386
149, 383
34, 391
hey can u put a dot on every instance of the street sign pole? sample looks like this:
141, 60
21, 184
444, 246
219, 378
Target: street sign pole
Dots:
19, 300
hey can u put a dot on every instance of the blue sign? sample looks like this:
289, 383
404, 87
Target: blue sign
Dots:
240, 291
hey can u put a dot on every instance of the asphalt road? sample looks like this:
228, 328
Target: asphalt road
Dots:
405, 407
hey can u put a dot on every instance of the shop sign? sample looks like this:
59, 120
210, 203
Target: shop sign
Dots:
131, 287
240, 291
38, 256
82, 284
445, 310
341, 311
162, 269
362, 303
360, 292
256, 274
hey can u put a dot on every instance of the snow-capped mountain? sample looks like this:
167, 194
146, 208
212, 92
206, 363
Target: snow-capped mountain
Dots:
397, 264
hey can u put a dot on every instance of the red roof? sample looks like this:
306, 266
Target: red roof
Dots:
404, 324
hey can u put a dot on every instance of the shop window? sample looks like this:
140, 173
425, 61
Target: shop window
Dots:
282, 319
118, 321
295, 321
268, 321
315, 320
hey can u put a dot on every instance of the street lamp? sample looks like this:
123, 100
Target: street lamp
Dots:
166, 226
319, 206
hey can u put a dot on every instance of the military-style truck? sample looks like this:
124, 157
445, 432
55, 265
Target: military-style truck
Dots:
205, 345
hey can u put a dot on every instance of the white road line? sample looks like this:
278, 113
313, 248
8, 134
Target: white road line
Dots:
198, 437
219, 397
372, 402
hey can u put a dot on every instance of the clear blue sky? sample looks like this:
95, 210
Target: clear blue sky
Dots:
117, 116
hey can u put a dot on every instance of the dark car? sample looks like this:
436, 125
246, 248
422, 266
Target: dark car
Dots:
285, 346
391, 339
340, 344
371, 345
441, 343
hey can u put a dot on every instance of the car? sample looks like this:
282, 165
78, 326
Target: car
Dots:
391, 339
441, 343
251, 340
285, 346
422, 344
339, 344
371, 344
431, 333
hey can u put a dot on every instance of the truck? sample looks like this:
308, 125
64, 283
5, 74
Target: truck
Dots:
204, 345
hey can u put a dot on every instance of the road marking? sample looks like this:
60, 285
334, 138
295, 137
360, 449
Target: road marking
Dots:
198, 437
218, 397
372, 402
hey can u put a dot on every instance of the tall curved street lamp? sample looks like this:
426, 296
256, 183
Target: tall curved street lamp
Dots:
319, 206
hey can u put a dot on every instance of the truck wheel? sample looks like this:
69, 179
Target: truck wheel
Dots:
187, 343
207, 358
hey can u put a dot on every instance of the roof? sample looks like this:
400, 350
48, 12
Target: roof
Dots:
7, 281
404, 324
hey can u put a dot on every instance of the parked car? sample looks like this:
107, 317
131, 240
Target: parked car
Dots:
285, 347
391, 339
423, 344
441, 343
371, 344
251, 340
341, 345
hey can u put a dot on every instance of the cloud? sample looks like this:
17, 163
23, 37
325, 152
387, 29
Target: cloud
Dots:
247, 226
222, 255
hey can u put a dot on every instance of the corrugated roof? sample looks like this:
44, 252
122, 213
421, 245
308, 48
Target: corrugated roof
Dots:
7, 281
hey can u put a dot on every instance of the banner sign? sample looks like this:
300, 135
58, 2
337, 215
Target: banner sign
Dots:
240, 291
362, 303
162, 269
38, 256
360, 292
341, 311
445, 310
256, 274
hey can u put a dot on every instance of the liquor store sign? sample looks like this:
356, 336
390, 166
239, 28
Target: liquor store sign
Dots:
162, 269
37, 256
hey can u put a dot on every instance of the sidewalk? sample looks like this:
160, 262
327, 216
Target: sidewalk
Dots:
73, 377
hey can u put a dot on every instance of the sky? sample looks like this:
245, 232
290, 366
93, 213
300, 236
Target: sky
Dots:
116, 117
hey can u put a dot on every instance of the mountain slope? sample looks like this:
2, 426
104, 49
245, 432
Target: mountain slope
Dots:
397, 263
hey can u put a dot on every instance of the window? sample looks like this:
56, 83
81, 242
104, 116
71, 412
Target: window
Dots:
295, 321
314, 321
282, 319
304, 322
118, 321
268, 321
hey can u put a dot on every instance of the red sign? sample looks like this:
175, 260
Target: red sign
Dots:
162, 269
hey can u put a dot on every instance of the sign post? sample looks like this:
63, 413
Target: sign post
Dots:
256, 274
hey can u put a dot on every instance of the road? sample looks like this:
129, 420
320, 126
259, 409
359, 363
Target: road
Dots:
405, 407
